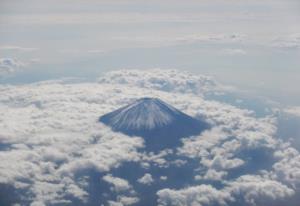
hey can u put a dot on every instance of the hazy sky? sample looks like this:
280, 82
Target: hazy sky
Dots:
249, 43
53, 148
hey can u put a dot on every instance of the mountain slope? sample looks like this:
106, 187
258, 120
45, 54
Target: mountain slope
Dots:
159, 123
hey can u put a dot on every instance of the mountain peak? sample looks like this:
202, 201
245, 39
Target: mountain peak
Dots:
143, 114
154, 120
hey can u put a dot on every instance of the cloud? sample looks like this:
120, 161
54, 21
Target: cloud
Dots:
291, 42
146, 179
163, 178
212, 38
163, 80
219, 162
123, 201
258, 189
80, 51
100, 18
292, 111
158, 159
124, 191
50, 136
9, 66
252, 190
195, 195
18, 48
233, 52
287, 167
171, 39
119, 184
212, 174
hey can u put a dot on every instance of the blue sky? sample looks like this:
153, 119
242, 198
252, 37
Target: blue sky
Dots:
254, 45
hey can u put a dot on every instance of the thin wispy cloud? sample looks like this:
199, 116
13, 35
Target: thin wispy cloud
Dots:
17, 48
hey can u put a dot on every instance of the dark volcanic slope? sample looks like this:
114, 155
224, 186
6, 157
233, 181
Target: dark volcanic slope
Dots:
160, 124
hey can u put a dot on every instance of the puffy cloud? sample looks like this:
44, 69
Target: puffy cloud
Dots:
220, 148
9, 66
163, 178
146, 179
164, 80
212, 174
49, 133
158, 159
287, 168
293, 111
251, 190
259, 189
123, 201
196, 195
52, 135
35, 171
220, 162
119, 184
123, 189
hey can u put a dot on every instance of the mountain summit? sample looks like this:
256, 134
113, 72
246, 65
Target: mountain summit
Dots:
159, 123
143, 114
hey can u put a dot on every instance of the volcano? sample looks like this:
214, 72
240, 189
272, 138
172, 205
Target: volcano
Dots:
160, 124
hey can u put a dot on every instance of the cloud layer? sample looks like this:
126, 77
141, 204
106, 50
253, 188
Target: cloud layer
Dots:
50, 137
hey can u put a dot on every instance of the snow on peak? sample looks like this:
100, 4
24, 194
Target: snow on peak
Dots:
161, 125
145, 113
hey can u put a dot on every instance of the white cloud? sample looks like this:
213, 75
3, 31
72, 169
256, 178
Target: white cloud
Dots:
171, 39
220, 162
163, 80
9, 66
52, 132
146, 179
158, 159
212, 38
250, 189
53, 135
255, 189
196, 195
18, 48
121, 187
293, 111
128, 200
212, 174
119, 184
233, 52
123, 201
287, 168
80, 51
163, 178
98, 18
287, 42
220, 147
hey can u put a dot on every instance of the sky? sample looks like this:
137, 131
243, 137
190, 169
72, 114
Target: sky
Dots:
233, 64
253, 45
